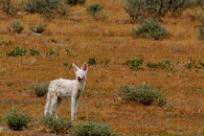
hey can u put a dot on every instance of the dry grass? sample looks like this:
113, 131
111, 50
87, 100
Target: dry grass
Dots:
106, 40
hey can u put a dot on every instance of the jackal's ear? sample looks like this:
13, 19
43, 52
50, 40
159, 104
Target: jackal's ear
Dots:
85, 67
75, 67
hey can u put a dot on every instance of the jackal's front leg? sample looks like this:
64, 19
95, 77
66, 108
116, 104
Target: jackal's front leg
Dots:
74, 106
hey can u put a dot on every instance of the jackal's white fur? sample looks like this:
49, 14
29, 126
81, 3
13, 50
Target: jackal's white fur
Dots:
62, 88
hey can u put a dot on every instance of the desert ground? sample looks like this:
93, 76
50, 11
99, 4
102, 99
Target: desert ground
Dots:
79, 37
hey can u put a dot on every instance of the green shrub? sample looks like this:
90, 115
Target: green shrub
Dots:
150, 28
8, 7
92, 129
152, 65
201, 32
135, 63
16, 26
142, 8
40, 89
92, 61
34, 52
18, 51
53, 52
38, 28
41, 6
2, 54
58, 125
144, 94
46, 7
94, 9
156, 8
16, 120
164, 64
75, 2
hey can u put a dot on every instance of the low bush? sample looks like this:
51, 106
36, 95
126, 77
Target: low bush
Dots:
164, 64
92, 61
18, 51
95, 9
2, 53
8, 7
201, 32
53, 52
144, 94
38, 28
41, 6
138, 9
16, 120
58, 125
75, 2
40, 89
150, 29
16, 26
135, 63
46, 7
92, 129
34, 52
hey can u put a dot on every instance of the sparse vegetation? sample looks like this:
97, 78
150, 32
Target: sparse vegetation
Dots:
46, 7
144, 94
40, 89
95, 9
16, 120
92, 61
16, 26
18, 51
150, 29
53, 52
38, 28
57, 125
116, 57
164, 64
92, 129
2, 54
34, 52
8, 7
75, 2
135, 63
140, 9
201, 31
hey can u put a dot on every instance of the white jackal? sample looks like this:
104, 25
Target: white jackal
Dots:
62, 88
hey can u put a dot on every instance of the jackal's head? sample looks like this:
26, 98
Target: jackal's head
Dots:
81, 73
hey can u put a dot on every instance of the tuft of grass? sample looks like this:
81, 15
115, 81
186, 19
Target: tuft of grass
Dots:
75, 2
58, 125
38, 28
46, 7
164, 64
40, 89
92, 129
95, 9
8, 7
41, 6
18, 51
34, 52
16, 26
53, 52
135, 63
16, 120
150, 29
2, 54
144, 94
92, 61
201, 32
